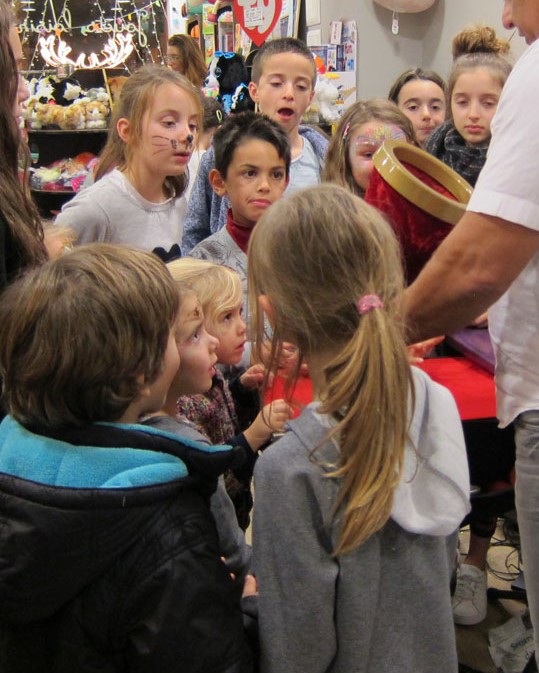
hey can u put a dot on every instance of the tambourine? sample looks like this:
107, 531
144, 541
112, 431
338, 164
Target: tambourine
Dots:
421, 197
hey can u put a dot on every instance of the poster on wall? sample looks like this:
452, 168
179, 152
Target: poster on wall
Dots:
176, 23
262, 20
100, 34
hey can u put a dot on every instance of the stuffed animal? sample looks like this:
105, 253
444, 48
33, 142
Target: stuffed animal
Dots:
211, 85
66, 91
228, 71
324, 101
115, 86
44, 88
96, 114
49, 115
74, 117
97, 93
33, 120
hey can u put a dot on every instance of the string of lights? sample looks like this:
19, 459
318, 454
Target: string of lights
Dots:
125, 19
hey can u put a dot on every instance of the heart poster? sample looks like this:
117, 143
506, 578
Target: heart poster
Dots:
258, 17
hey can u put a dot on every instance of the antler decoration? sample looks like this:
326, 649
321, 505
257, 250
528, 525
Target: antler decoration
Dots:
116, 50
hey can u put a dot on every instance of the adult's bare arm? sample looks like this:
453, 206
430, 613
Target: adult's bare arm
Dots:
470, 270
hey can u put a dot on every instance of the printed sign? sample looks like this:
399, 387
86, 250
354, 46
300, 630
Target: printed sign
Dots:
258, 17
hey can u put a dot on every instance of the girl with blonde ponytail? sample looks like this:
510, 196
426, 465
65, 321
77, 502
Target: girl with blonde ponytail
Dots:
358, 504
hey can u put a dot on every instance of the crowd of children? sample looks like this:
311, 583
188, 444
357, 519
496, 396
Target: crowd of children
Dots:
135, 391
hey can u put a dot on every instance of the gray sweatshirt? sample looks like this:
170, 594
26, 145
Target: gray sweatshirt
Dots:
112, 210
384, 607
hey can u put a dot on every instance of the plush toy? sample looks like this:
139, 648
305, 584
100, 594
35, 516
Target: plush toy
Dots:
73, 117
229, 73
211, 85
115, 86
96, 114
324, 101
66, 91
44, 88
33, 120
49, 115
98, 93
64, 174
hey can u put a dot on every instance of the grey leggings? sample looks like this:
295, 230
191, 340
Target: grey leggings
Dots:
527, 500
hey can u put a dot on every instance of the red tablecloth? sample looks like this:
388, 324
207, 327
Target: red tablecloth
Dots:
471, 385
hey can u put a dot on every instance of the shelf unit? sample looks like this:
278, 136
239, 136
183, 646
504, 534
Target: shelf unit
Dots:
49, 145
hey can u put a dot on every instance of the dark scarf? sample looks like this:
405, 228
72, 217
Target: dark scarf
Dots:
446, 144
240, 234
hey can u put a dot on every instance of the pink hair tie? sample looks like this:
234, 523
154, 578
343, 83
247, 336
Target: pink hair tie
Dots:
368, 302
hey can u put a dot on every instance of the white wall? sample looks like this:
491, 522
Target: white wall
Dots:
424, 38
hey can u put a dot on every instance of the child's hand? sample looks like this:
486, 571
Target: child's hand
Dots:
271, 419
416, 352
254, 377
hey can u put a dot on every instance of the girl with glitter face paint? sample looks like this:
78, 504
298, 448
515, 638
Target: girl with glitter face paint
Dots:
142, 173
361, 131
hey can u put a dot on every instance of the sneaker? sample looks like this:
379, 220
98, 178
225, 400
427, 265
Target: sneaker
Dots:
470, 598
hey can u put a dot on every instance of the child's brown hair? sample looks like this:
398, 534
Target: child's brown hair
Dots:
80, 335
283, 45
478, 47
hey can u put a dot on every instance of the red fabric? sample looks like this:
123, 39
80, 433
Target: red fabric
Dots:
418, 232
239, 234
471, 386
300, 396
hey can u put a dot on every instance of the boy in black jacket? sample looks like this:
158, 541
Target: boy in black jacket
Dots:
109, 554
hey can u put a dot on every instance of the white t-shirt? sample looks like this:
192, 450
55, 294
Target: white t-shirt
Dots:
112, 210
508, 187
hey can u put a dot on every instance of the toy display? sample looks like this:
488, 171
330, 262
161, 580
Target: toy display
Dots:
63, 104
228, 81
64, 174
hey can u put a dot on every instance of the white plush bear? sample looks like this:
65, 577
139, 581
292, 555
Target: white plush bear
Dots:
324, 100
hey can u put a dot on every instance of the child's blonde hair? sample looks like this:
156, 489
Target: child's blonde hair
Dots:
136, 98
315, 254
217, 287
337, 168
478, 47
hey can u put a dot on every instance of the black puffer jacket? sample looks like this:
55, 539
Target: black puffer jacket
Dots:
109, 557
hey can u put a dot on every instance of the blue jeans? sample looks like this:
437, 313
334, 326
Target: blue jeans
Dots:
527, 501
